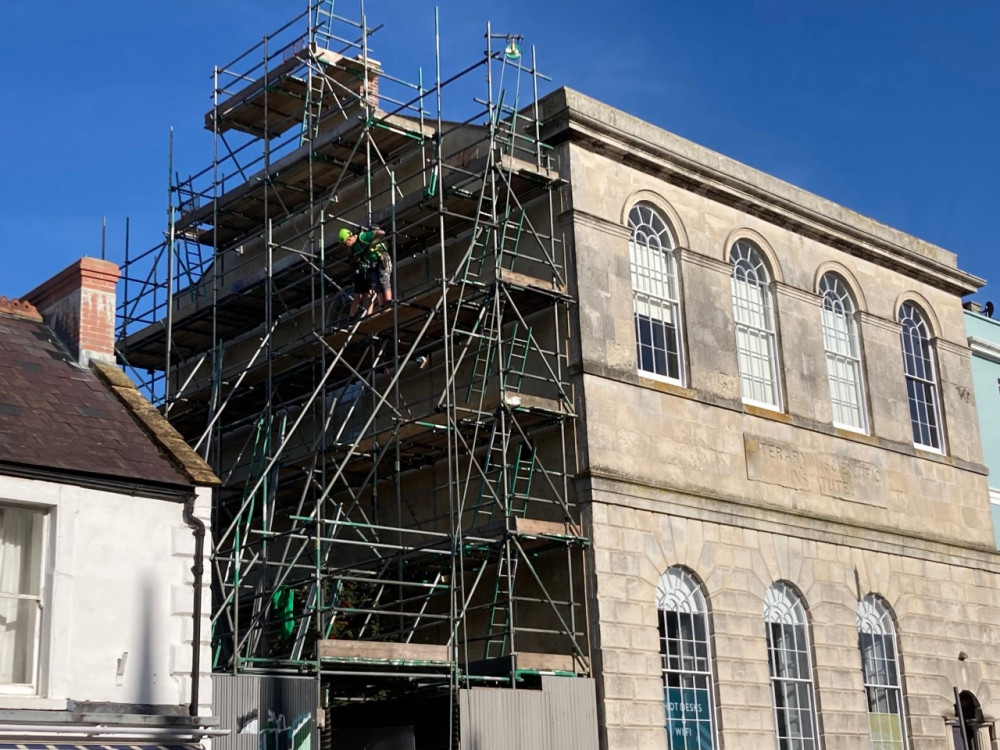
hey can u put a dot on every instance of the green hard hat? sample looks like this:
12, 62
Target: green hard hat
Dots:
344, 234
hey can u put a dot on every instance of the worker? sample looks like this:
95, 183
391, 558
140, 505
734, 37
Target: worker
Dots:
372, 266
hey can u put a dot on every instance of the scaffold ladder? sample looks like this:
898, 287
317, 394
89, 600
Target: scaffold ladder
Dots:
321, 22
505, 481
517, 357
484, 234
522, 471
491, 493
312, 112
486, 348
503, 602
510, 237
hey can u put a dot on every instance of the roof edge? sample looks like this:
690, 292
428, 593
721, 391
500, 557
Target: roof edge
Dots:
569, 114
160, 431
178, 492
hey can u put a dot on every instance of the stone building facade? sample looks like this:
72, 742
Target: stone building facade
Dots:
765, 451
779, 458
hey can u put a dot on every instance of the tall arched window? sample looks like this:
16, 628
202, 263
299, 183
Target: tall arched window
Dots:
656, 298
753, 310
921, 384
687, 664
790, 663
880, 670
843, 353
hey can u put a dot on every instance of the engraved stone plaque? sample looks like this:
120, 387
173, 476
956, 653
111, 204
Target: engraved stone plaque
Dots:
830, 474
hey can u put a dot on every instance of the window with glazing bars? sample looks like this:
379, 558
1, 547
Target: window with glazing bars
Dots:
655, 296
921, 384
790, 665
687, 665
756, 345
880, 671
21, 539
843, 353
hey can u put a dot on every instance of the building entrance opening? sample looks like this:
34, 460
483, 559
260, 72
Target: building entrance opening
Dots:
971, 730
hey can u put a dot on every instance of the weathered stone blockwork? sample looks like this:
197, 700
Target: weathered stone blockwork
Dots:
943, 604
687, 474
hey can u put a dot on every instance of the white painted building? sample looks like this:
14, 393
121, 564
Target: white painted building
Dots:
103, 527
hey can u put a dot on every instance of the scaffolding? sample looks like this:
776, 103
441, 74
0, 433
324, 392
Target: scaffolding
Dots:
397, 512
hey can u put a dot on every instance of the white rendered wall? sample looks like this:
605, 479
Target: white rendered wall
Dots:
117, 580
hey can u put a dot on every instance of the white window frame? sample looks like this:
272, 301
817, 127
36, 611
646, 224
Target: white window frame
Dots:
789, 661
843, 354
686, 661
753, 315
30, 602
655, 289
880, 672
919, 369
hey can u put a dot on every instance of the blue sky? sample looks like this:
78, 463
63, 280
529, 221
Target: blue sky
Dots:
887, 107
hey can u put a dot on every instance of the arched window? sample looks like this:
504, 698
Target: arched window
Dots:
753, 310
656, 298
687, 664
790, 665
921, 384
880, 671
843, 353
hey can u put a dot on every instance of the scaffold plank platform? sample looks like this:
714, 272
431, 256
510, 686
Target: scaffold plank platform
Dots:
527, 662
275, 102
312, 170
192, 329
379, 652
299, 177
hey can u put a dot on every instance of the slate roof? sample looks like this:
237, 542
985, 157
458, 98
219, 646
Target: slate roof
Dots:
55, 414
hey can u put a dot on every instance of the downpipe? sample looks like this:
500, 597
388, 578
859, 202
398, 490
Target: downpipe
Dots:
198, 569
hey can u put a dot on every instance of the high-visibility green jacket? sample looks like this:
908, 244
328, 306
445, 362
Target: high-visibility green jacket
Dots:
365, 254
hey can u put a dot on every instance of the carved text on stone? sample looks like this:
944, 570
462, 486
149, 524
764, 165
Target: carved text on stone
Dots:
784, 464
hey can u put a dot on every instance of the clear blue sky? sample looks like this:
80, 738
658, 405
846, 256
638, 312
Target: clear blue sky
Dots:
889, 107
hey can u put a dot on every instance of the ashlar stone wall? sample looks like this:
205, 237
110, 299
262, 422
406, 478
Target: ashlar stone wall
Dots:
944, 603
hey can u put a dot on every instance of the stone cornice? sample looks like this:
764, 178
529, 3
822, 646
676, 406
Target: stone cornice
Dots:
686, 255
867, 319
572, 116
952, 348
576, 216
985, 349
794, 292
733, 511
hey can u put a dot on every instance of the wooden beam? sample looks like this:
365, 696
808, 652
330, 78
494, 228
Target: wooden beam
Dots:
378, 651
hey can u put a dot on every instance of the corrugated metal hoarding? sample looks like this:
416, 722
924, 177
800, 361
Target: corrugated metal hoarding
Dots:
265, 713
560, 716
279, 713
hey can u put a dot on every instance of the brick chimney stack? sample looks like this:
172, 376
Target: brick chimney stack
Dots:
78, 303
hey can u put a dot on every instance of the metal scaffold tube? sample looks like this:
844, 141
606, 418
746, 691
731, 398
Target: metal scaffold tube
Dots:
398, 510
